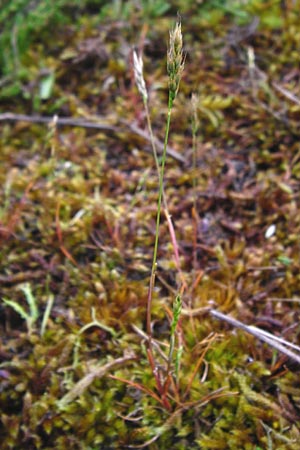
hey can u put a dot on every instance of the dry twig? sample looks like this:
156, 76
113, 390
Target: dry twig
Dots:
83, 123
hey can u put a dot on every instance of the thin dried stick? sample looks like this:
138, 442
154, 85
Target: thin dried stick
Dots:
83, 123
275, 342
98, 371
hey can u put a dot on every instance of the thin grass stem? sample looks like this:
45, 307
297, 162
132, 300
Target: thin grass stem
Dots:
158, 214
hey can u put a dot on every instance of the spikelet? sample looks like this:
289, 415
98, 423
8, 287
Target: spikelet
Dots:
175, 60
139, 77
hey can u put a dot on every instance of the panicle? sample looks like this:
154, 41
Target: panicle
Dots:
138, 75
175, 60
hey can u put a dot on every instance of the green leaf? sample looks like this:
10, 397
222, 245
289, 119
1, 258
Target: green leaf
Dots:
46, 86
18, 308
285, 260
34, 313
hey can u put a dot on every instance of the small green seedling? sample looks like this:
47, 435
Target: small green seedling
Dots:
31, 316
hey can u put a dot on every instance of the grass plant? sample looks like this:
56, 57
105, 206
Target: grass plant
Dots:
175, 66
